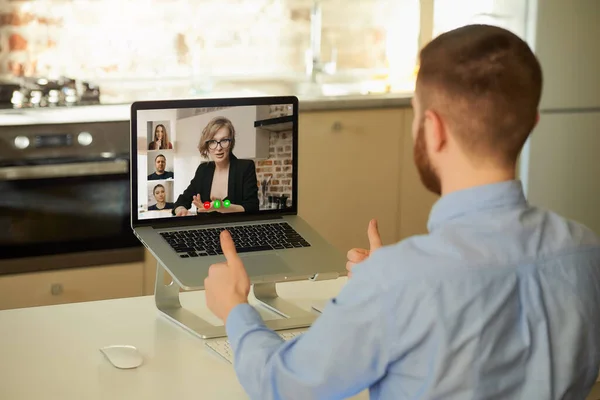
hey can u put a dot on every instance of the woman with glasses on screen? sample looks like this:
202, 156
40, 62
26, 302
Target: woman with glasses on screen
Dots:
225, 184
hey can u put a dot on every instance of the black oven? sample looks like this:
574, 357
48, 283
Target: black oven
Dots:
65, 197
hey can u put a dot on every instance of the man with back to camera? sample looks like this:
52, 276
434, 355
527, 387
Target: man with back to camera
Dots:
499, 301
160, 163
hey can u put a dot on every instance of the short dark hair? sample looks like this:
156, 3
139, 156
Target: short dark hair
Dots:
160, 155
486, 83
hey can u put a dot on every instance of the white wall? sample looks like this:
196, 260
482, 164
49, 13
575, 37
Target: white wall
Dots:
143, 118
560, 165
564, 172
566, 43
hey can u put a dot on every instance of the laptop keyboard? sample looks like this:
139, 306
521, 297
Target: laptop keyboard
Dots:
223, 348
247, 238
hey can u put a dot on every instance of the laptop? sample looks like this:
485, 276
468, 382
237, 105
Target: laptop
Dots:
204, 165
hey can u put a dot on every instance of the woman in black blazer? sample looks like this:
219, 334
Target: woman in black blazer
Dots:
225, 179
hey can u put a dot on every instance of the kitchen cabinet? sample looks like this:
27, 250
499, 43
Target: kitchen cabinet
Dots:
356, 165
349, 172
71, 285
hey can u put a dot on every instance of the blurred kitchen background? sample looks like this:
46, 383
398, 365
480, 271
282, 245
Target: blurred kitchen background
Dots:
180, 48
69, 69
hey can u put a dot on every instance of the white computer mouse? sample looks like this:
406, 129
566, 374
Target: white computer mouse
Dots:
123, 356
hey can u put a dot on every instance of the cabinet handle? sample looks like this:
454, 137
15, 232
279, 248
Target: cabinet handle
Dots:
337, 126
56, 289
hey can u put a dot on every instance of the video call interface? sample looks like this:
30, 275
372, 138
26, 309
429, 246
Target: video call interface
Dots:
195, 161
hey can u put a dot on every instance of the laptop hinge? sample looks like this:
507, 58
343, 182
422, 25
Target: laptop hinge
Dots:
199, 222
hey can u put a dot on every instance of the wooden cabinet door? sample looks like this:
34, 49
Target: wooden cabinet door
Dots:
349, 172
71, 285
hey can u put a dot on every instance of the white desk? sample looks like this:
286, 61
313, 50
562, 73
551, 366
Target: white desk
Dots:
53, 352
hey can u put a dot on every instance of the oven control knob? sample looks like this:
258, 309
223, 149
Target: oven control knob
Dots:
84, 138
21, 142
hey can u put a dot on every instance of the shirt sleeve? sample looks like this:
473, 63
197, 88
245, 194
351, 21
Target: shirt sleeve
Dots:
344, 352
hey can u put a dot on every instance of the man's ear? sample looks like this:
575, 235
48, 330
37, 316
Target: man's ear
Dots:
537, 118
435, 130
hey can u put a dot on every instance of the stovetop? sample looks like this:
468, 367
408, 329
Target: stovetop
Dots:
41, 92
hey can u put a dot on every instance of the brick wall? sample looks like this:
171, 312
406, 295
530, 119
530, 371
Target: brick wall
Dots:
278, 165
196, 38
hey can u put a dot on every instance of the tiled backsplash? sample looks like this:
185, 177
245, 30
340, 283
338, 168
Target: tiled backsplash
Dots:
105, 39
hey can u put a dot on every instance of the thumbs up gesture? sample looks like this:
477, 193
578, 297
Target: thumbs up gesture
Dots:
357, 255
227, 284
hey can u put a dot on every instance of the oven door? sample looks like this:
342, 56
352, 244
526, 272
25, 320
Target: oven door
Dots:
65, 213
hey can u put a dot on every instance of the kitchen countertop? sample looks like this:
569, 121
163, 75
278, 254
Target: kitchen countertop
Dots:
326, 103
120, 112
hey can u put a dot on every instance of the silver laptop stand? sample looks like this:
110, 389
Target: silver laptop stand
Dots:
167, 301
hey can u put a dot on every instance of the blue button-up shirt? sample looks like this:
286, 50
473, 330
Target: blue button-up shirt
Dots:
501, 300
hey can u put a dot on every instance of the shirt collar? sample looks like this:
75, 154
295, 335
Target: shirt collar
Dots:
477, 198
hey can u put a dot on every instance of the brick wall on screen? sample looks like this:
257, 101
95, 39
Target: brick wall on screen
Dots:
278, 165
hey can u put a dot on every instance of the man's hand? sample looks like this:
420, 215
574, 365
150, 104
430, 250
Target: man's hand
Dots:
357, 255
227, 284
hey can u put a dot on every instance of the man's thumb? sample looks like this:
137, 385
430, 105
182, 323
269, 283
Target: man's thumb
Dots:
228, 248
374, 238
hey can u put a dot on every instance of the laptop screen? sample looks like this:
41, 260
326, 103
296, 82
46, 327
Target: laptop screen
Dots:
197, 160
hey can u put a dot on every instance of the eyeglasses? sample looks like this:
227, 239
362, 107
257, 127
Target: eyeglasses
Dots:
224, 143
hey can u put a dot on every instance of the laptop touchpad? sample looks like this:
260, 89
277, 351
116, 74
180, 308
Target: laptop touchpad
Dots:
265, 264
